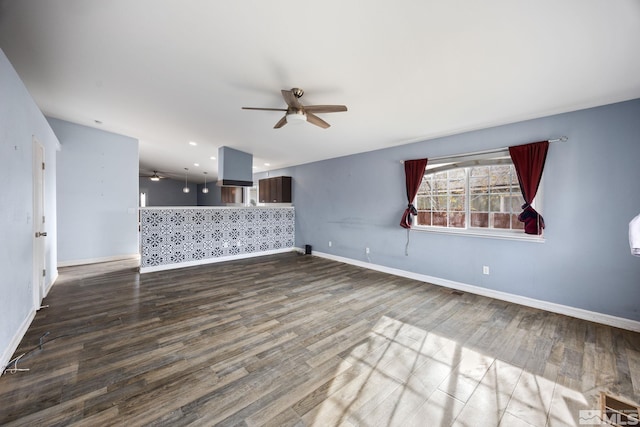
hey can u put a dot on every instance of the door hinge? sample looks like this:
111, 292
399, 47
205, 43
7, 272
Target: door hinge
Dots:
44, 272
42, 165
43, 219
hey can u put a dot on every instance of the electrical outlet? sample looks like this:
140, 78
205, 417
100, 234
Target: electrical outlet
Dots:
329, 243
366, 250
485, 269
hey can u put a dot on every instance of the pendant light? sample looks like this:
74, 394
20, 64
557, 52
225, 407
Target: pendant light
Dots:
205, 190
186, 182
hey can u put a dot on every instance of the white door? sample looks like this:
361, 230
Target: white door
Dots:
39, 230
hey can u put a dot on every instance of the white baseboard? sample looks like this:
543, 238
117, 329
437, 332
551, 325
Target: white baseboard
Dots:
50, 285
24, 327
592, 316
97, 260
213, 260
15, 341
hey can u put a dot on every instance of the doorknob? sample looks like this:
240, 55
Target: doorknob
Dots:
41, 234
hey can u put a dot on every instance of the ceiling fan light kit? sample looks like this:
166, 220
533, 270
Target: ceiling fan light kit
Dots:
153, 175
297, 113
296, 117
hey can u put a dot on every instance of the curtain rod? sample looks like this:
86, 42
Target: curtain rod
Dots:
561, 139
495, 150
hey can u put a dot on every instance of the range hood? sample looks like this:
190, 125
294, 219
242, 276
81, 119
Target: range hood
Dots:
235, 168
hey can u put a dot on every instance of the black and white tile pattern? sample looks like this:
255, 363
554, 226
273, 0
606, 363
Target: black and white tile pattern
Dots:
189, 235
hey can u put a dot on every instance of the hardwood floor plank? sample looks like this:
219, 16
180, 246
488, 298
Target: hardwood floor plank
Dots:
633, 358
61, 413
439, 410
531, 399
347, 400
277, 408
291, 340
142, 409
490, 399
564, 404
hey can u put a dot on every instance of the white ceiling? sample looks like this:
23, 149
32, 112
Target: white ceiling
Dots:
172, 71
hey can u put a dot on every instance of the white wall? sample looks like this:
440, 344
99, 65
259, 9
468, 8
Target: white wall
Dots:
97, 193
20, 122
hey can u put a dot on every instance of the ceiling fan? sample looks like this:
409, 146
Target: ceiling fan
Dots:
152, 177
295, 111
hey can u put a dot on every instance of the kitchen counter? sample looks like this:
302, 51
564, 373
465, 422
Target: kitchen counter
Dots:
174, 237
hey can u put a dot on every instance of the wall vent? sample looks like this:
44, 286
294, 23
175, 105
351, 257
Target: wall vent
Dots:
616, 412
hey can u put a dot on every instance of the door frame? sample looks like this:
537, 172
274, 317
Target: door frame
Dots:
39, 247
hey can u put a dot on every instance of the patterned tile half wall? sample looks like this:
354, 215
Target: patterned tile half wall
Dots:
177, 237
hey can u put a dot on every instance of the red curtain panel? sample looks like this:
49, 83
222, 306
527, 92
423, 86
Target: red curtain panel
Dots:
529, 160
413, 171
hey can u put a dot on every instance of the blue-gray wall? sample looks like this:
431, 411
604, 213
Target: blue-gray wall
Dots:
20, 122
590, 194
97, 192
234, 165
212, 198
168, 192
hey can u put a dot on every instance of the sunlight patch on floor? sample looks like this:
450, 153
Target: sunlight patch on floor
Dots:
407, 376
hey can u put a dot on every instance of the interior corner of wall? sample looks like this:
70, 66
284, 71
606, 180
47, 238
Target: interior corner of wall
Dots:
48, 286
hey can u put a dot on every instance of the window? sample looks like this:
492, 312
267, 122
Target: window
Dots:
478, 194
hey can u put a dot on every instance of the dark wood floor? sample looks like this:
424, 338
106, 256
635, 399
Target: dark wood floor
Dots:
299, 340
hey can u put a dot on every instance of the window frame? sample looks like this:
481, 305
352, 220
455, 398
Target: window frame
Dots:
466, 161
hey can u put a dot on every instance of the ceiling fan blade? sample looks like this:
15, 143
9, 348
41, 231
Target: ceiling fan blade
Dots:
315, 120
264, 109
281, 122
291, 99
325, 108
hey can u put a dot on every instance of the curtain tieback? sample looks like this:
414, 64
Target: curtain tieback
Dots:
411, 210
533, 221
406, 217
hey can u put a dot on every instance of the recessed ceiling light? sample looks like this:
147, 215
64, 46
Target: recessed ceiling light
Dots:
267, 164
212, 157
196, 164
193, 143
255, 167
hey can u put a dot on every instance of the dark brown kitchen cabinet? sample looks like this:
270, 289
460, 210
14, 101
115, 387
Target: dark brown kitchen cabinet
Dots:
275, 190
